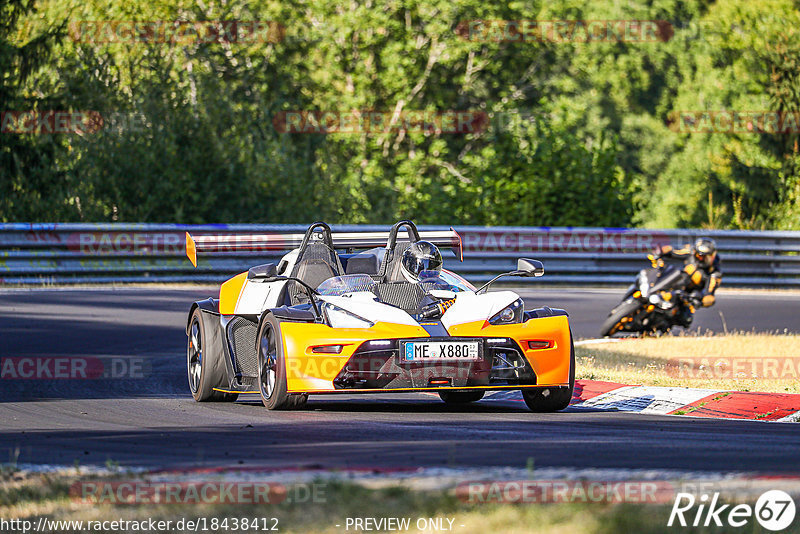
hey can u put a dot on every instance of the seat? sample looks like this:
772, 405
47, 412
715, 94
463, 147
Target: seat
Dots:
314, 271
390, 270
317, 261
392, 287
367, 262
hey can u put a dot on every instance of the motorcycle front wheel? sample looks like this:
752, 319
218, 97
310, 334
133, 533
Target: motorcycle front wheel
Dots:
613, 322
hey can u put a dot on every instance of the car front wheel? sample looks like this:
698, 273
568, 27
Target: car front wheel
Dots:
556, 398
272, 368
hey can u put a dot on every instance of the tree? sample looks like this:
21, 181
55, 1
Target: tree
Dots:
31, 185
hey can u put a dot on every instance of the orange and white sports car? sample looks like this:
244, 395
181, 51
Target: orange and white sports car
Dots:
336, 315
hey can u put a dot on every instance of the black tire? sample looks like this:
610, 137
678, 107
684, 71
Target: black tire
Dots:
612, 323
205, 369
461, 397
272, 368
552, 399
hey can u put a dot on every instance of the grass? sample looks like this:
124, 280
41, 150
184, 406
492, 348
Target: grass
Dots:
29, 496
737, 361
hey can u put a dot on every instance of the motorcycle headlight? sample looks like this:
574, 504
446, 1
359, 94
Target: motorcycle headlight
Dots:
644, 285
336, 317
511, 314
659, 301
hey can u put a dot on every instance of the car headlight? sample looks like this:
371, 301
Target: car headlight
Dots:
511, 314
336, 317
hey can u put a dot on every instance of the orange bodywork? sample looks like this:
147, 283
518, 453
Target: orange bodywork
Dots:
229, 294
310, 372
306, 371
551, 365
191, 249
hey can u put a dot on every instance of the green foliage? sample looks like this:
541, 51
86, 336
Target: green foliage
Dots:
31, 184
577, 133
746, 60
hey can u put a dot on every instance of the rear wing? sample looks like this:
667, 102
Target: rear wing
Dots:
275, 241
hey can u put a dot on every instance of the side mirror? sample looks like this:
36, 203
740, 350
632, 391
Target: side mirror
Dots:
529, 268
525, 267
268, 270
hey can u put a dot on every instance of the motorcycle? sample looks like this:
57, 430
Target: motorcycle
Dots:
653, 304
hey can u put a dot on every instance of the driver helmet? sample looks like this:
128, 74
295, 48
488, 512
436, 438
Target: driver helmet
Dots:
420, 256
705, 251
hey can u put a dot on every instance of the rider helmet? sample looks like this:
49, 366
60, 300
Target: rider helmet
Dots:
705, 251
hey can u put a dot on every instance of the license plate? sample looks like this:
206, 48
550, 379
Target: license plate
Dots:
427, 351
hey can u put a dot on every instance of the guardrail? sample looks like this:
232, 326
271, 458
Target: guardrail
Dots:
128, 253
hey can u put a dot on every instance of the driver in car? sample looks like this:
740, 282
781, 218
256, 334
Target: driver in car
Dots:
421, 256
702, 264
422, 263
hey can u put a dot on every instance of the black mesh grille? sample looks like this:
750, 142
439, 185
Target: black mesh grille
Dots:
509, 366
404, 295
242, 334
374, 366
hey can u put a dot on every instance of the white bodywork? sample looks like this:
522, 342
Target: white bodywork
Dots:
469, 307
371, 310
256, 296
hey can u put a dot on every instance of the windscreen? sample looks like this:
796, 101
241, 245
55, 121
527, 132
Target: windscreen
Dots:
349, 283
444, 280
341, 285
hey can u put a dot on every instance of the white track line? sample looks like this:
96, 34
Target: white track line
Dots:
647, 399
598, 341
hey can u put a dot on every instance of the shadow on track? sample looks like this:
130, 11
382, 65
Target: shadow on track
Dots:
428, 435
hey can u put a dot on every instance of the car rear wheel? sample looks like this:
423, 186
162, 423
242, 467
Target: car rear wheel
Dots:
461, 397
555, 398
272, 368
206, 370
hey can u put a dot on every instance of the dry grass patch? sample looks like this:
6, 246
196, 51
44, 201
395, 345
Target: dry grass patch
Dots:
31, 496
738, 362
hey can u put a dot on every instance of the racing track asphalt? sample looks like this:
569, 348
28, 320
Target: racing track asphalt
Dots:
152, 422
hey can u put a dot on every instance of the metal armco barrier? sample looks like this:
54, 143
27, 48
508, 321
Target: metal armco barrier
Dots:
127, 253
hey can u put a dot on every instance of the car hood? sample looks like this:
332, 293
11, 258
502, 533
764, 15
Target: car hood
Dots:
468, 307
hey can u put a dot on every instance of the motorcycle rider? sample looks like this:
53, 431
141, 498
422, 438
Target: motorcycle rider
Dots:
702, 265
